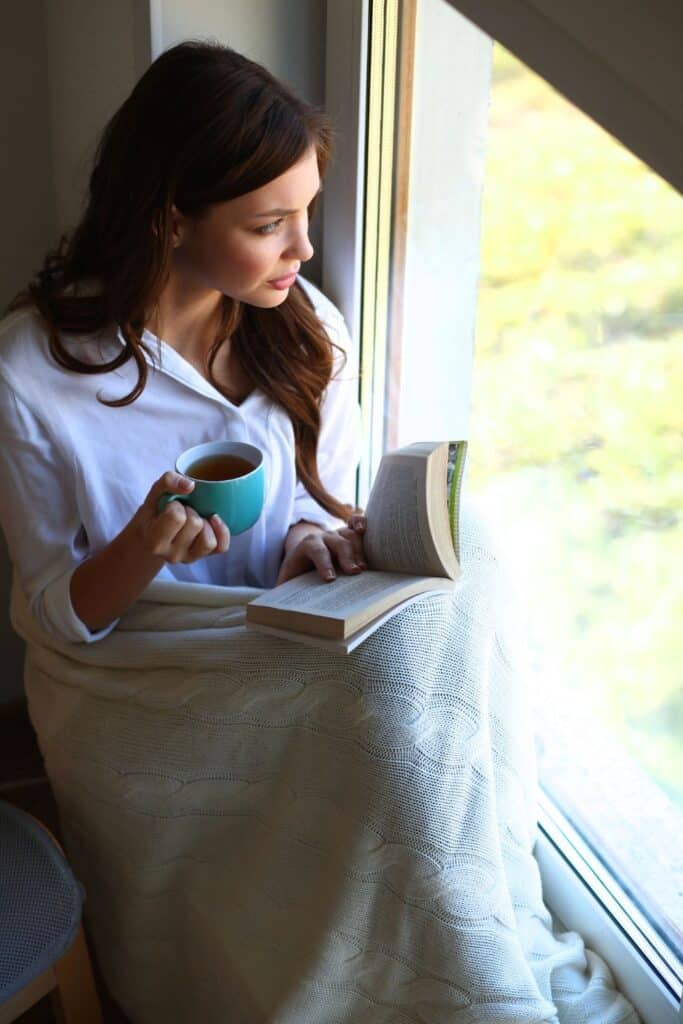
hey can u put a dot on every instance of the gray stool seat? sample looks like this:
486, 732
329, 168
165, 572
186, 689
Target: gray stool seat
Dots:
40, 901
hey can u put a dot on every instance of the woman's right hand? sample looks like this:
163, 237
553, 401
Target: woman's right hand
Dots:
178, 533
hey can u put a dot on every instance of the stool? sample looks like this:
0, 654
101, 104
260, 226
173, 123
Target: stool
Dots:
42, 944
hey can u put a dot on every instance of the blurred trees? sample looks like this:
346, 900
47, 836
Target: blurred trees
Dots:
577, 426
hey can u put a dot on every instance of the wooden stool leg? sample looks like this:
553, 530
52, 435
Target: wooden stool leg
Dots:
75, 999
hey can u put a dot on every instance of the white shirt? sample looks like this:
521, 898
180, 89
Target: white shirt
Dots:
73, 472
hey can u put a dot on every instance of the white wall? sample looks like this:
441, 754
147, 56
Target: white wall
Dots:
65, 67
447, 163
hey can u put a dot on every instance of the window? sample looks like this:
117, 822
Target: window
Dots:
577, 426
523, 289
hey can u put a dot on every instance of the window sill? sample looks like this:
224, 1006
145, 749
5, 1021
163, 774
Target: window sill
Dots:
586, 899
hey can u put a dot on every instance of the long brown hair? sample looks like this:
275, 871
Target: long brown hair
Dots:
204, 124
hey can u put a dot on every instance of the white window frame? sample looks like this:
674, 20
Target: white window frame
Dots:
577, 889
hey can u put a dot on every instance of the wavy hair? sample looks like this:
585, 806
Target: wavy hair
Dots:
203, 125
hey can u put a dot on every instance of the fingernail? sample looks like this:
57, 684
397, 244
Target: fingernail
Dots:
216, 518
354, 565
188, 482
330, 575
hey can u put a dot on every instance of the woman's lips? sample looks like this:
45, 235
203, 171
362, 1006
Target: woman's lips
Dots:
283, 282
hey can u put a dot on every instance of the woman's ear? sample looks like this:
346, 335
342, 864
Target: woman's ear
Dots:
177, 226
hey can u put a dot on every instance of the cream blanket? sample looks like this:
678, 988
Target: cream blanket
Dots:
268, 832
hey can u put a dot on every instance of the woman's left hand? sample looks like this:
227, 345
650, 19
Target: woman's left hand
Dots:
310, 547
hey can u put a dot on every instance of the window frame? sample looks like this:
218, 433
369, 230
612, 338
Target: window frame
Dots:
581, 896
586, 898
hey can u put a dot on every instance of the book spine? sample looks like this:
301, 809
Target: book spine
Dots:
457, 451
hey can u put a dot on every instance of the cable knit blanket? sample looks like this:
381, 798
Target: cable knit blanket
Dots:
267, 832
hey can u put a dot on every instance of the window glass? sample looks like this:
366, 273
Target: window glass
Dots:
576, 445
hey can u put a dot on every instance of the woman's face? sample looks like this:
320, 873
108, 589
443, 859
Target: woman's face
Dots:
244, 245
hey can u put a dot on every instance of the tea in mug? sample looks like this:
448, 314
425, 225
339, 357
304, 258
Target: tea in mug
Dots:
219, 467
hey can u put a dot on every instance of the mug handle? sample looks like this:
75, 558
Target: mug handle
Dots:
165, 498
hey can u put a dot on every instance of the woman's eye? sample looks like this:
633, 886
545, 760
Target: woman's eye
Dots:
268, 229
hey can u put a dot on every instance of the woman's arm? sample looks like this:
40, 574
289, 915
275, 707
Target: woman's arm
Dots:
75, 597
39, 515
105, 585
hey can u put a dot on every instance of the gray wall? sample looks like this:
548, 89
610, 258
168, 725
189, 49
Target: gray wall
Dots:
288, 38
618, 62
65, 66
28, 213
91, 64
26, 174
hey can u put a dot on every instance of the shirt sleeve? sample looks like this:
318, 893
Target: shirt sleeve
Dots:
339, 441
39, 517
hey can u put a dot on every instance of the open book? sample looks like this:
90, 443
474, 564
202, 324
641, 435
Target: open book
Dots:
412, 548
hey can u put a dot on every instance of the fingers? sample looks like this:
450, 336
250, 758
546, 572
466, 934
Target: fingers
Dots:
222, 533
310, 552
347, 549
325, 552
171, 482
204, 543
213, 539
182, 535
175, 530
358, 522
357, 552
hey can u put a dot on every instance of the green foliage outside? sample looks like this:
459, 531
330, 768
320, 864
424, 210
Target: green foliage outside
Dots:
577, 424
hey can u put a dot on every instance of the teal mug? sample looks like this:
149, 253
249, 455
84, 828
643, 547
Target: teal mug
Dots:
233, 484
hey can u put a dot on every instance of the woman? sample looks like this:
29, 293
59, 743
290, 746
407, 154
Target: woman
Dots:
185, 261
265, 831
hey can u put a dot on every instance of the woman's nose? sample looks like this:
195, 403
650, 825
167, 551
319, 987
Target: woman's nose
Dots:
300, 247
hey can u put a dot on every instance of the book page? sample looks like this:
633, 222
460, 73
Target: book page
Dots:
348, 644
338, 599
337, 609
398, 537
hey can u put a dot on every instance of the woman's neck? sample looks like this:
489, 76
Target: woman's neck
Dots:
186, 318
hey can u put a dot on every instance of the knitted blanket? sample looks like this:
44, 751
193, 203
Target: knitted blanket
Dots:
267, 832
